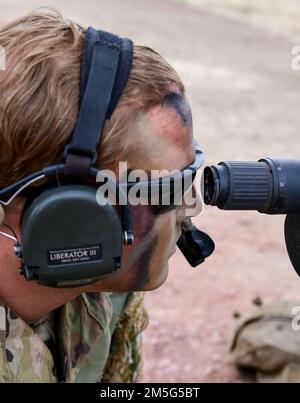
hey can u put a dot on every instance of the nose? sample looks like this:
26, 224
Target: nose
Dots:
193, 204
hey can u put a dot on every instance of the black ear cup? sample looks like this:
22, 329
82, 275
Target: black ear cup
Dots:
55, 228
2, 214
70, 237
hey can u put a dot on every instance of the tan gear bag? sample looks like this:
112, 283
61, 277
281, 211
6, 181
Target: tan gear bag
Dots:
268, 340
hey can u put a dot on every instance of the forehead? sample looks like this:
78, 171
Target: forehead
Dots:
163, 135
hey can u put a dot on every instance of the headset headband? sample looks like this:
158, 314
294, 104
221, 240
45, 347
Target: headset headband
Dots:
106, 64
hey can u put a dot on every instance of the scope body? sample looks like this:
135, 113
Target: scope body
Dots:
270, 185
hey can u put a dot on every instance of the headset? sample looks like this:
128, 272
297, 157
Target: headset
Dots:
70, 237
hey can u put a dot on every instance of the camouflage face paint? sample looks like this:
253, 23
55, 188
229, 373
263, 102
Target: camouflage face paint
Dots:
141, 256
142, 268
180, 103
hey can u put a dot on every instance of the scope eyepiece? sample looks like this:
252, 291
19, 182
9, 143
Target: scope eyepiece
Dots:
270, 185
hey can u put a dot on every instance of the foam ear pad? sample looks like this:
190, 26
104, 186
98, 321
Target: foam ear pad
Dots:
2, 215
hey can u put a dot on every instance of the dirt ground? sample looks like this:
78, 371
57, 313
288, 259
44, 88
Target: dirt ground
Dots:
245, 100
278, 16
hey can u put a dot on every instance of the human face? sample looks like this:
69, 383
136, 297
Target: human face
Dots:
161, 138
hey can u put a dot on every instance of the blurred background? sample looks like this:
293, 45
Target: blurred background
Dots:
235, 59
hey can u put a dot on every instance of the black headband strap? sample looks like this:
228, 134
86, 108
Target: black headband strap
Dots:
106, 65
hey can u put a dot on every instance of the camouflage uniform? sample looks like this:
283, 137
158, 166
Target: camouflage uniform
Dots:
95, 334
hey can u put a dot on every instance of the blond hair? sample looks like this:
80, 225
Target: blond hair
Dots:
39, 94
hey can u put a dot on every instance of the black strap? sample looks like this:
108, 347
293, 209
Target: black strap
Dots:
106, 64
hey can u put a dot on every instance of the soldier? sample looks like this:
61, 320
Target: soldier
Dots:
87, 333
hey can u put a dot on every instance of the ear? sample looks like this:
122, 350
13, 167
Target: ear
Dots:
2, 215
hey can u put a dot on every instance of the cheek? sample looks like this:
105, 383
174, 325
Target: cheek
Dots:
165, 226
166, 237
143, 222
146, 262
137, 258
